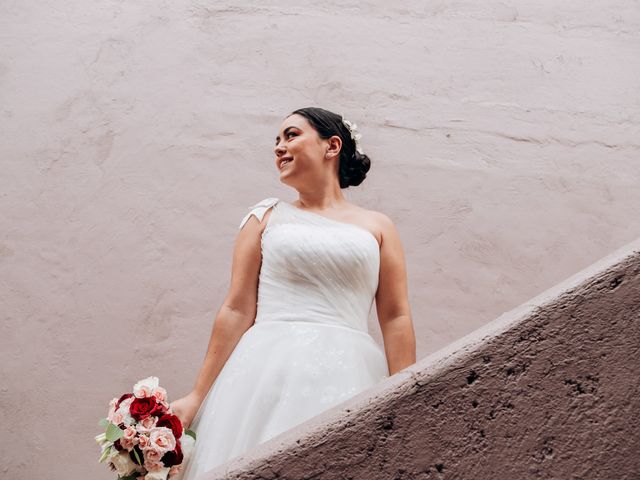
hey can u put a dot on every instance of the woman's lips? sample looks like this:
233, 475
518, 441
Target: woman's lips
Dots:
285, 161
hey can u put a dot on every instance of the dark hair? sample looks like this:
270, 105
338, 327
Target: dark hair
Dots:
353, 166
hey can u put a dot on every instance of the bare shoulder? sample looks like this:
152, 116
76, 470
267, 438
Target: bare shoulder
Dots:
379, 223
387, 228
383, 220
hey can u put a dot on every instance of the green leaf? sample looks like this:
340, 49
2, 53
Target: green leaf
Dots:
113, 432
105, 454
135, 452
191, 433
103, 423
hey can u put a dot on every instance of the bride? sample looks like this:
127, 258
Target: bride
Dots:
291, 337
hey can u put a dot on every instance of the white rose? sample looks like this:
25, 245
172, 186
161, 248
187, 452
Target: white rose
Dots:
123, 463
187, 443
124, 405
122, 414
128, 420
158, 474
145, 387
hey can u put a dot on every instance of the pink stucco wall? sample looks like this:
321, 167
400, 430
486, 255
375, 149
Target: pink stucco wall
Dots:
504, 140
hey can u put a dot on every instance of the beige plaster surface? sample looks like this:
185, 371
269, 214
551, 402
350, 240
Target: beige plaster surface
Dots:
134, 135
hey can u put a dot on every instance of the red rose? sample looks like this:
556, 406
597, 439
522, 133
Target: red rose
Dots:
173, 422
122, 399
141, 408
159, 409
173, 457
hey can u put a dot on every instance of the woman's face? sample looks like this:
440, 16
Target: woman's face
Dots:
300, 152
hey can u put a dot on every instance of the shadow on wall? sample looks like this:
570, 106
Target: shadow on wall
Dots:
547, 390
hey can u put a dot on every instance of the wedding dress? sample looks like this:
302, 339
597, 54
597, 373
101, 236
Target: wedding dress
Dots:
309, 348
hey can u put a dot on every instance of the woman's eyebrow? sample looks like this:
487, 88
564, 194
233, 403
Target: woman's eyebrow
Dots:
285, 131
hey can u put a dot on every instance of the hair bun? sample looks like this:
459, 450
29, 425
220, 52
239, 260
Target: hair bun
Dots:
353, 163
353, 172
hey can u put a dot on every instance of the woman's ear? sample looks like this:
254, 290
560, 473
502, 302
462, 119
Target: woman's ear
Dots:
335, 142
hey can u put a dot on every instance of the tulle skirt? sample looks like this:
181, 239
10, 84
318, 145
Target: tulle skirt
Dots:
280, 374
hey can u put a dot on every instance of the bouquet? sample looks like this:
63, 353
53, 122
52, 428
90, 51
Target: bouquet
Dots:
143, 440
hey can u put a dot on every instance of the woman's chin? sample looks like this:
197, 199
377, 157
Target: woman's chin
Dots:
284, 172
286, 178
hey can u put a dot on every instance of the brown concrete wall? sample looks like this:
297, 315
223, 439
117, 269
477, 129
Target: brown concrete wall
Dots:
549, 390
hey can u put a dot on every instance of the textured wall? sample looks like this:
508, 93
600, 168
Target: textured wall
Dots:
504, 138
549, 390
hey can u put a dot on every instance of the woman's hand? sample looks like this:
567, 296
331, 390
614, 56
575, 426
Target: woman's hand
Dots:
185, 408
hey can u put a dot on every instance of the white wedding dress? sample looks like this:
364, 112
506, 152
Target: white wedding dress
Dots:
309, 348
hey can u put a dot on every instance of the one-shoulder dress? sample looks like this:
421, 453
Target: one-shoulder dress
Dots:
309, 348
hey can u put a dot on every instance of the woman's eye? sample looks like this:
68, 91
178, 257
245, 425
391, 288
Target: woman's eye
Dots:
290, 133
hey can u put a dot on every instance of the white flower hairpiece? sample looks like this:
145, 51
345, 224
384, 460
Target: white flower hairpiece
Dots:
353, 129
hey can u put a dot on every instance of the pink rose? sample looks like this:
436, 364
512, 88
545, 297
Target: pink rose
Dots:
129, 438
171, 421
151, 457
146, 424
153, 466
161, 439
175, 469
145, 387
127, 444
117, 418
160, 394
143, 441
150, 422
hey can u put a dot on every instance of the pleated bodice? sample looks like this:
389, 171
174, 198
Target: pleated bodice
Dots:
314, 268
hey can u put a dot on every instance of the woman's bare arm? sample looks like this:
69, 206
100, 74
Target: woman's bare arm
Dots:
392, 301
238, 310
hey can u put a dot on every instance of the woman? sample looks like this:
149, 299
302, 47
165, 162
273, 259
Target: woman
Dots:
290, 339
